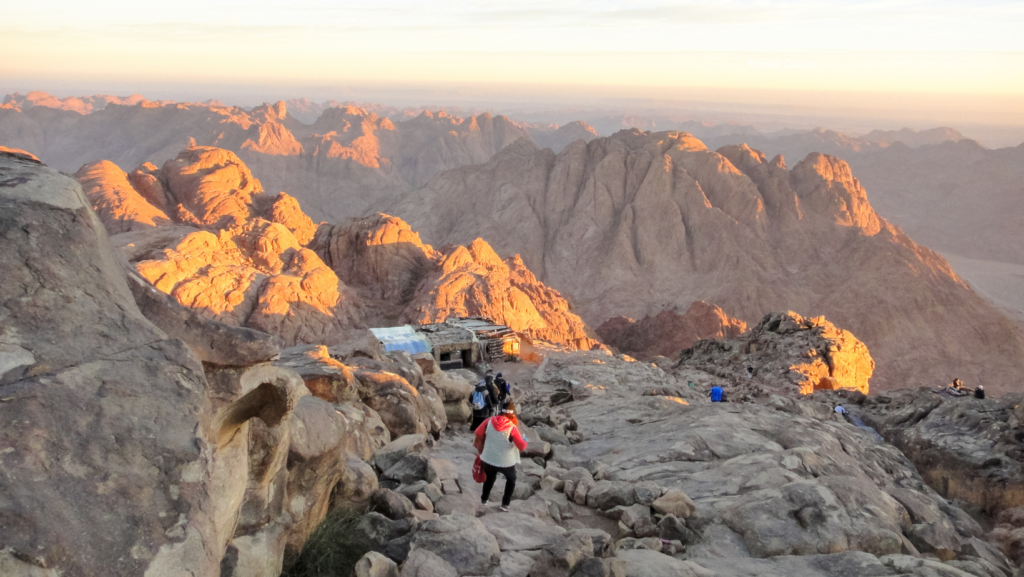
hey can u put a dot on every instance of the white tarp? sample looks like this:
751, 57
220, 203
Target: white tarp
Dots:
402, 338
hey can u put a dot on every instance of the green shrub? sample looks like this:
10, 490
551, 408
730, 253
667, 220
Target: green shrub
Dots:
332, 550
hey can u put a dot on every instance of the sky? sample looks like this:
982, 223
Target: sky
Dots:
961, 59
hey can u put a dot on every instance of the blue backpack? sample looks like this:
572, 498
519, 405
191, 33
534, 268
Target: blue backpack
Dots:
716, 394
479, 400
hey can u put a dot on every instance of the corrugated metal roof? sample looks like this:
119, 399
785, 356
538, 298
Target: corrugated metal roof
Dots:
403, 338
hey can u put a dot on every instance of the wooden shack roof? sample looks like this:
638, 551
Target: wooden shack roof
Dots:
484, 328
446, 334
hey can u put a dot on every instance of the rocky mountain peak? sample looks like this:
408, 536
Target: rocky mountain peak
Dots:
826, 185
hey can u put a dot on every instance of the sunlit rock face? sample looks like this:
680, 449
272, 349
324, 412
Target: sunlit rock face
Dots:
403, 280
120, 207
788, 350
637, 223
250, 259
475, 281
668, 333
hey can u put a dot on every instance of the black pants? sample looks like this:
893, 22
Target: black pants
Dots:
492, 475
478, 418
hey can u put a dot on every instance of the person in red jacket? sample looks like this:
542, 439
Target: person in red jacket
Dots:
499, 441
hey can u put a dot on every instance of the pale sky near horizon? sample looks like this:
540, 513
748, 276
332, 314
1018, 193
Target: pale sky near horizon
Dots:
626, 47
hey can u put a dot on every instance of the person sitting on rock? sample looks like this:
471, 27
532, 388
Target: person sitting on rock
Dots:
482, 400
841, 411
498, 441
979, 393
956, 388
717, 394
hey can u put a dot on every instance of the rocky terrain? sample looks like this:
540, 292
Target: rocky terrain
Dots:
144, 438
247, 258
671, 222
634, 473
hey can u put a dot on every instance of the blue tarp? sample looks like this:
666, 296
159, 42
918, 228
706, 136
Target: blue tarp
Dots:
402, 339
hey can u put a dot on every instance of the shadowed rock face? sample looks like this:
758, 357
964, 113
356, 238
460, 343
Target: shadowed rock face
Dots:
636, 223
810, 354
129, 452
965, 448
668, 333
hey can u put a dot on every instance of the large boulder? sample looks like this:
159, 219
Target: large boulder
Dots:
91, 487
461, 541
423, 563
517, 532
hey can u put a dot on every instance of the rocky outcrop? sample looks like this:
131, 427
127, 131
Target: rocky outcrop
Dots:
967, 449
120, 207
257, 275
668, 333
810, 354
670, 222
212, 187
143, 439
475, 281
392, 388
380, 254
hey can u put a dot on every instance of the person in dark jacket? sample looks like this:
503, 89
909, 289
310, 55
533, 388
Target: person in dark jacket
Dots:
483, 400
979, 393
504, 390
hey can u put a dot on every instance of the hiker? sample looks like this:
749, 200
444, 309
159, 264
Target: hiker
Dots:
504, 389
750, 372
956, 388
841, 411
495, 394
717, 394
979, 393
482, 400
498, 441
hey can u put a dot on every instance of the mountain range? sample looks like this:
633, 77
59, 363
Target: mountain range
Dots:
630, 224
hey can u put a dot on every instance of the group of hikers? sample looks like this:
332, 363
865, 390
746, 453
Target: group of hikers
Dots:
497, 438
